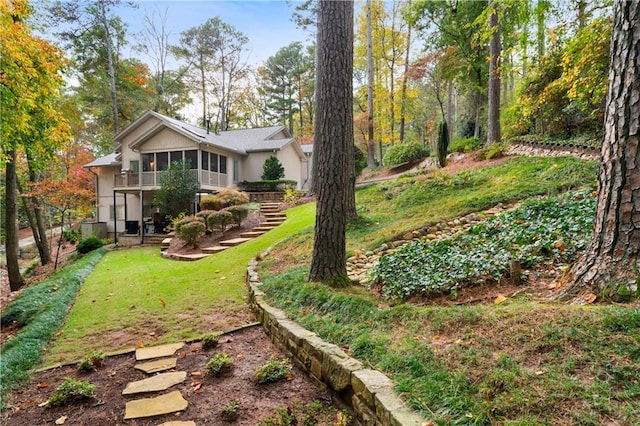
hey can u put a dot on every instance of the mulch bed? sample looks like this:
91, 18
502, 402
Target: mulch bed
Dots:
206, 395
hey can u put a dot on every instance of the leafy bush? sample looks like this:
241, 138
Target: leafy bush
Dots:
495, 150
551, 230
232, 197
465, 145
273, 370
272, 169
204, 214
291, 196
91, 361
209, 341
72, 235
70, 391
211, 202
219, 221
218, 364
238, 213
405, 153
89, 244
190, 229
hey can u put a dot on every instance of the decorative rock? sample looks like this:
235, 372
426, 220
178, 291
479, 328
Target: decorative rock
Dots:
157, 351
158, 365
148, 407
156, 383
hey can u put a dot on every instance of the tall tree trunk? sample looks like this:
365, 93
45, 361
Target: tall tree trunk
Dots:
371, 146
40, 233
11, 222
495, 49
111, 68
32, 210
403, 92
610, 264
333, 140
450, 109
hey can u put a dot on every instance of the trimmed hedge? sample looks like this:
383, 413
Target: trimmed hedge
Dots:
267, 185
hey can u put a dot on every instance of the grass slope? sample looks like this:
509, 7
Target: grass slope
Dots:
520, 362
136, 296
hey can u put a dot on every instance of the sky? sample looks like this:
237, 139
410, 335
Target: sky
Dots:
267, 23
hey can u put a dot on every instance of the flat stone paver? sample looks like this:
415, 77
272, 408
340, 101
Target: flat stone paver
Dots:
157, 351
179, 423
214, 249
156, 383
158, 365
148, 407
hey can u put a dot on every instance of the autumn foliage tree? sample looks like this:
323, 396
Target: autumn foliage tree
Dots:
30, 85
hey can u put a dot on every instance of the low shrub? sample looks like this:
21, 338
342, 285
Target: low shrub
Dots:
204, 214
405, 153
218, 364
219, 221
230, 410
232, 197
291, 196
238, 213
209, 341
70, 391
91, 361
72, 235
465, 145
211, 202
89, 244
190, 229
495, 150
273, 370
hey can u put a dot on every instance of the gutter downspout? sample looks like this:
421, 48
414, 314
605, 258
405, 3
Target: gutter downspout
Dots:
115, 219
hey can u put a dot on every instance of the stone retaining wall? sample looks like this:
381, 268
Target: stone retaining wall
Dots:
369, 393
549, 150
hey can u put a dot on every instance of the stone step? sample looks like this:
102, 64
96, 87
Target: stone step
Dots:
274, 221
156, 383
148, 407
251, 234
264, 228
214, 249
234, 242
275, 214
157, 351
186, 257
157, 365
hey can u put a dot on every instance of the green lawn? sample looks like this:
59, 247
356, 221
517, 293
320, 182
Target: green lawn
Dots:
136, 296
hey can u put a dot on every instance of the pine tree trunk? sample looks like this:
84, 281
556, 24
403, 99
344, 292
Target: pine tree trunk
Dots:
333, 143
609, 266
371, 147
11, 222
495, 48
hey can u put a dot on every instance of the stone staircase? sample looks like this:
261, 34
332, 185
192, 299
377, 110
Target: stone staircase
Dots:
273, 218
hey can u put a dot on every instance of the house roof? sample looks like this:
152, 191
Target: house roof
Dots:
112, 159
239, 141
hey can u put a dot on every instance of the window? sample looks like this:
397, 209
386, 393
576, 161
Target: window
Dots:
204, 158
214, 162
192, 156
120, 211
176, 156
147, 163
162, 159
236, 171
223, 164
134, 166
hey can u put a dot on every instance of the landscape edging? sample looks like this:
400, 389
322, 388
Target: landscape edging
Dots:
369, 393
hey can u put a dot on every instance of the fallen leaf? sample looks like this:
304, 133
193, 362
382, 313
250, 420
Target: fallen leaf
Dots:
539, 373
198, 391
43, 404
183, 354
163, 303
289, 377
590, 298
499, 299
427, 423
195, 350
196, 374
139, 345
43, 385
61, 420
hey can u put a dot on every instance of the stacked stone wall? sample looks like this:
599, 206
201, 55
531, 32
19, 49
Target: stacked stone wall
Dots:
368, 393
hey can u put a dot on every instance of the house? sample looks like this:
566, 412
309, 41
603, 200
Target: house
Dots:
126, 179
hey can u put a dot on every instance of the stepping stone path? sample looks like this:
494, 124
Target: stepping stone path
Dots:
163, 404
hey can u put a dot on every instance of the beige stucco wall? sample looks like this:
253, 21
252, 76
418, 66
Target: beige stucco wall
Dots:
251, 166
290, 160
